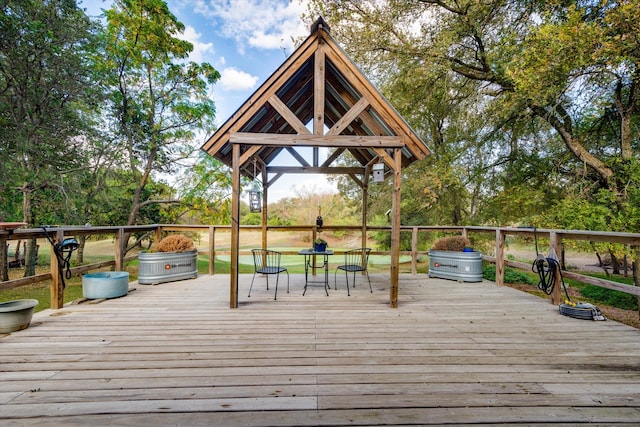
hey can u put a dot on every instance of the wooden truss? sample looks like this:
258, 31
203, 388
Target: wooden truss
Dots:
317, 98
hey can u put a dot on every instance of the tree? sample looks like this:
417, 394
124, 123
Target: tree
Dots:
206, 189
158, 100
45, 99
542, 70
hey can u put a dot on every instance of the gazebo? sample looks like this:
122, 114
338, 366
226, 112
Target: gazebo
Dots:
317, 98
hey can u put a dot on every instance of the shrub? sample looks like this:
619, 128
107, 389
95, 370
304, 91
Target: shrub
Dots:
610, 297
510, 275
175, 243
452, 243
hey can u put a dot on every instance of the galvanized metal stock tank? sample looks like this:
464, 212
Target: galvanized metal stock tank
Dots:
461, 266
161, 267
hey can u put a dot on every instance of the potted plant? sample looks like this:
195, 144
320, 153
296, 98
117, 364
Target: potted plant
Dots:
453, 258
320, 245
172, 258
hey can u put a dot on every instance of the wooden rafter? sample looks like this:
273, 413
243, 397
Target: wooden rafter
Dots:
319, 88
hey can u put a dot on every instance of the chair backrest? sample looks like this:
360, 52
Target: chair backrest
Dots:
264, 259
358, 257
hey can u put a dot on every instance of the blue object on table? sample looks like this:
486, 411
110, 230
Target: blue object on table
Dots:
308, 257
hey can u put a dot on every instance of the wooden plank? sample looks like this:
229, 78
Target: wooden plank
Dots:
603, 283
450, 353
331, 141
377, 101
288, 115
349, 116
319, 68
346, 170
255, 102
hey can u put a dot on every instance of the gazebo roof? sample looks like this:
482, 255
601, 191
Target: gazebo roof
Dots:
317, 98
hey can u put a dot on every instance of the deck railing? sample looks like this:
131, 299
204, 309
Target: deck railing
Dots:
555, 238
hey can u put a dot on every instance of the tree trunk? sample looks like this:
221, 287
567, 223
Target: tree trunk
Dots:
625, 111
561, 122
615, 265
82, 240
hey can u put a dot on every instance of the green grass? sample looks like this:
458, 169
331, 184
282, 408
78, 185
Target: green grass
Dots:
591, 293
609, 297
510, 275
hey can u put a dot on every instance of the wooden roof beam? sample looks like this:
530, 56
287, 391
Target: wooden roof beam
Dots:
288, 115
318, 89
292, 140
296, 156
341, 170
350, 116
248, 154
336, 153
386, 158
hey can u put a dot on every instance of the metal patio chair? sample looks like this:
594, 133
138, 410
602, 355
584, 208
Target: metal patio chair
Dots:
355, 260
267, 262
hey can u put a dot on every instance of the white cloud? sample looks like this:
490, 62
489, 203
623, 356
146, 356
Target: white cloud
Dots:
234, 79
199, 49
263, 24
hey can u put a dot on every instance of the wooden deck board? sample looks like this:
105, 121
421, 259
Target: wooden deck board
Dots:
451, 353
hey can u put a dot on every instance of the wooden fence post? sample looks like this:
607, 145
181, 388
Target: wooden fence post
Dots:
636, 270
57, 289
120, 248
4, 261
500, 237
556, 245
212, 250
414, 250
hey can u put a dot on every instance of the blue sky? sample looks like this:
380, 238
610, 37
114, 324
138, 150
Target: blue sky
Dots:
246, 41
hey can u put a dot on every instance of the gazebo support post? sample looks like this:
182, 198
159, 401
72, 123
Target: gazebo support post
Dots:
235, 226
265, 189
365, 197
395, 230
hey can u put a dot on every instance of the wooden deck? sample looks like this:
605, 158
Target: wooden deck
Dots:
452, 353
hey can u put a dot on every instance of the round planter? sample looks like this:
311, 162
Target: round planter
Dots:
160, 267
16, 315
104, 285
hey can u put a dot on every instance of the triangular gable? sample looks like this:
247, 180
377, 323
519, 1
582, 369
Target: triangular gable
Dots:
317, 84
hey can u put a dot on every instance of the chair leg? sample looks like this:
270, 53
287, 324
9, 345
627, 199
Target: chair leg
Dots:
370, 288
251, 287
275, 296
346, 275
287, 281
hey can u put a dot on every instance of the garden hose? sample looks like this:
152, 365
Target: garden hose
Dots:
546, 269
63, 251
